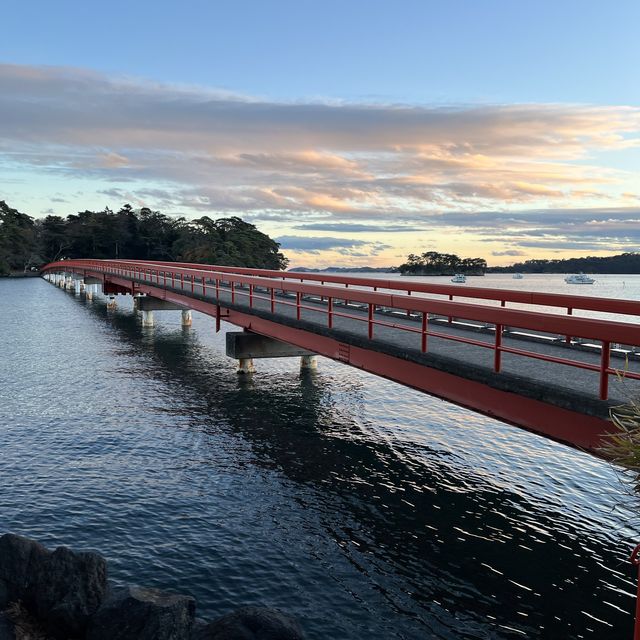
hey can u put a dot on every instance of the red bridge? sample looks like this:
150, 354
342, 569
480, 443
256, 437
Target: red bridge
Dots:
543, 369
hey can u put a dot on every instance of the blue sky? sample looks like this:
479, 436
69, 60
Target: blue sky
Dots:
409, 122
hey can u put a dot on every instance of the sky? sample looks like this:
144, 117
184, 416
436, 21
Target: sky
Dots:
353, 132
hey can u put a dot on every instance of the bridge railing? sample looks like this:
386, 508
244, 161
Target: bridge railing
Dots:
217, 284
566, 302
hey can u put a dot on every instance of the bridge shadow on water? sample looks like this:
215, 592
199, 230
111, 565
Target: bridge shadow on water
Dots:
452, 555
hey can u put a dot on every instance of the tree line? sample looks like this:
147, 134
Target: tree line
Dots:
622, 263
26, 242
432, 263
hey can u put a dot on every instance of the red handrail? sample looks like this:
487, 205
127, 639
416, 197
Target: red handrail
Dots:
538, 298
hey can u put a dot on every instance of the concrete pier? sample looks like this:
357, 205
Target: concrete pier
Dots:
245, 344
245, 366
78, 285
308, 363
147, 318
112, 303
186, 318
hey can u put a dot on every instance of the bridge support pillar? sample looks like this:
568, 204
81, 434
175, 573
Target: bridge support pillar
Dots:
147, 318
112, 303
244, 346
308, 363
136, 301
245, 366
88, 291
186, 318
77, 286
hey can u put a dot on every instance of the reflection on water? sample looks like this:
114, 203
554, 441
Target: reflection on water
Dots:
362, 507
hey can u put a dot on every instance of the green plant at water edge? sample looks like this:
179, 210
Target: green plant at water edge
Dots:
623, 446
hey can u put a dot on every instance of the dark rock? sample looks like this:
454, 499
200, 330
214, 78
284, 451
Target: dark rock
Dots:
6, 628
252, 623
18, 557
66, 589
134, 613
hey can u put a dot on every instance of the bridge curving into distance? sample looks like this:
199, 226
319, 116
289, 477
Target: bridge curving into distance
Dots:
542, 367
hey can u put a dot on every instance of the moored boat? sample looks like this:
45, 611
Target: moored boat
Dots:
579, 278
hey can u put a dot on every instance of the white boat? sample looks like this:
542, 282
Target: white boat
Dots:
579, 278
517, 276
459, 277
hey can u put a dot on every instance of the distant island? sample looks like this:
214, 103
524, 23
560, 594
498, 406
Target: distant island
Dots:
622, 263
346, 270
432, 263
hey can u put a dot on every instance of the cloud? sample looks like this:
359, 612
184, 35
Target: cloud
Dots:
495, 172
346, 227
343, 159
342, 246
508, 252
314, 244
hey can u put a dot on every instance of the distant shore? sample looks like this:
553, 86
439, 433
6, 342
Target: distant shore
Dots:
21, 274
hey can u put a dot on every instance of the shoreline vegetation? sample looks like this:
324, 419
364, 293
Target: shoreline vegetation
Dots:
26, 242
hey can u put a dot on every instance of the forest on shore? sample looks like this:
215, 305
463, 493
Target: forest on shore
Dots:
622, 263
27, 242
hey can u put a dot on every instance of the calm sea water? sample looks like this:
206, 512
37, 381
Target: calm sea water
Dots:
365, 509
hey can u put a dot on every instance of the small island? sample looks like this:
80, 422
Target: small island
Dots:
432, 263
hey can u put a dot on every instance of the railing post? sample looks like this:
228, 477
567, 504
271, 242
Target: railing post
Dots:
217, 289
450, 319
604, 365
408, 310
217, 318
204, 290
173, 280
233, 291
250, 296
425, 322
273, 300
330, 312
567, 339
497, 356
182, 280
164, 275
297, 305
636, 563
370, 321
193, 283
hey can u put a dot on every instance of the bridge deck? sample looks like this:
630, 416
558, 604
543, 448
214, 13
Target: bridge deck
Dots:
559, 383
503, 362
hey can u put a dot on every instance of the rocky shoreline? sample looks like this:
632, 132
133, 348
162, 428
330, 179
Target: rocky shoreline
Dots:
65, 595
